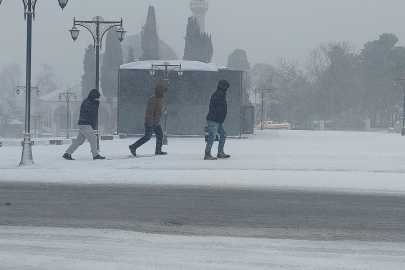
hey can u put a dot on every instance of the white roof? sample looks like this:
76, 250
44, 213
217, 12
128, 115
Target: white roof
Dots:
74, 88
54, 96
185, 65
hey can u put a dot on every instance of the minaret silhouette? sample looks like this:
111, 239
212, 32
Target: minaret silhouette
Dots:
199, 8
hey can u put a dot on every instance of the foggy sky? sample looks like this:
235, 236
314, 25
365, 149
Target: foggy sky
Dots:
265, 29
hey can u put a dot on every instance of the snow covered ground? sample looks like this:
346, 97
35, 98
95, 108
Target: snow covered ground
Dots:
356, 162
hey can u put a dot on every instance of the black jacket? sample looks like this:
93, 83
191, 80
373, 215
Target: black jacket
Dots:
218, 106
89, 110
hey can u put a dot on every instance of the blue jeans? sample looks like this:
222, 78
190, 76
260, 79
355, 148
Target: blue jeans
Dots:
215, 127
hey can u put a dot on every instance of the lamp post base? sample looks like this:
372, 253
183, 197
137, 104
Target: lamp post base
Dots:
164, 141
26, 158
98, 139
403, 131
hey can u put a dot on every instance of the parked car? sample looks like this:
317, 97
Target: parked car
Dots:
272, 125
206, 131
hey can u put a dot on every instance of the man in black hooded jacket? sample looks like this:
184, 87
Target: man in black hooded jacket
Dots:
87, 124
216, 116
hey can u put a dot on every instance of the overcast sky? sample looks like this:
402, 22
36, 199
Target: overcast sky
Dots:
265, 29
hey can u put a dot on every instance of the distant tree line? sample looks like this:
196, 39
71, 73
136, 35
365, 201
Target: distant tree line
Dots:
336, 85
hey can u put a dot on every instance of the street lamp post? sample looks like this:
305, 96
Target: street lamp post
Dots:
23, 88
403, 113
67, 95
166, 68
37, 92
29, 15
264, 90
97, 27
38, 117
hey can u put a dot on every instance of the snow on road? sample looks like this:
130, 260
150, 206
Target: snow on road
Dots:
331, 161
45, 248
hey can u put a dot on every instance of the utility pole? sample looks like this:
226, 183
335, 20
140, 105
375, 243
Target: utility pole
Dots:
263, 91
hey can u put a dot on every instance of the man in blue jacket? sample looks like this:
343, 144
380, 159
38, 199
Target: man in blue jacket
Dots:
216, 116
87, 124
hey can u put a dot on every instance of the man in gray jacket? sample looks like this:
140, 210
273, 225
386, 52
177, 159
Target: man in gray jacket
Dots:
87, 124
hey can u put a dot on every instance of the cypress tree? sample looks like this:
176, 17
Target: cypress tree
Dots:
207, 49
111, 61
149, 37
198, 46
238, 60
89, 68
130, 57
192, 40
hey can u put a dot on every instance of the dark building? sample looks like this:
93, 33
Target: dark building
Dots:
187, 99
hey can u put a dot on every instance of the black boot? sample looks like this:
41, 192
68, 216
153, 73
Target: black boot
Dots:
160, 152
67, 156
98, 157
132, 148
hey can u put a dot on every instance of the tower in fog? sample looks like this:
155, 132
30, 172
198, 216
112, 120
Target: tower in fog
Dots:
199, 8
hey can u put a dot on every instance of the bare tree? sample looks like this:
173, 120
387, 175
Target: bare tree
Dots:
319, 59
262, 76
293, 93
330, 67
10, 105
46, 80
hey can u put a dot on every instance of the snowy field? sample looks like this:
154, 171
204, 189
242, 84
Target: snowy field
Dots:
355, 162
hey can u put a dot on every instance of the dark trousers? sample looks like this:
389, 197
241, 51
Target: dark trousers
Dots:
148, 134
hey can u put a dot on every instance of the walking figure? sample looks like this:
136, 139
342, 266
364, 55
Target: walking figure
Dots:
216, 116
152, 122
87, 124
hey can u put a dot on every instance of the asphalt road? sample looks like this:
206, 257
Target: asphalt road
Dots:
206, 212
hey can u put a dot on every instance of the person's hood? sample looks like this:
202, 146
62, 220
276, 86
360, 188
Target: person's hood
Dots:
93, 95
223, 85
159, 90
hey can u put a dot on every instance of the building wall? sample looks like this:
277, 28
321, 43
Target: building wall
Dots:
187, 100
